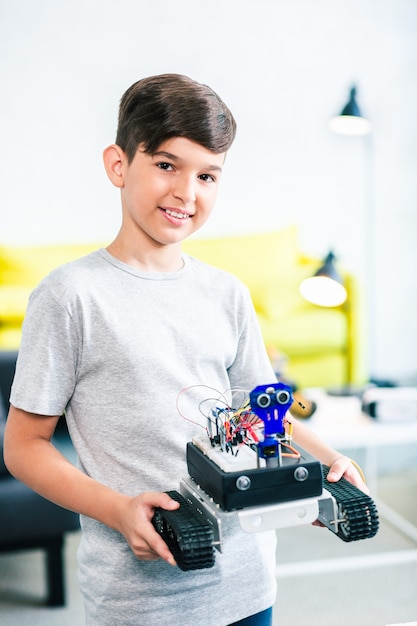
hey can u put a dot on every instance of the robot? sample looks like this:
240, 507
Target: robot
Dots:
248, 466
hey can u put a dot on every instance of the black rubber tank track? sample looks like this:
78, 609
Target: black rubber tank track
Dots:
187, 534
357, 511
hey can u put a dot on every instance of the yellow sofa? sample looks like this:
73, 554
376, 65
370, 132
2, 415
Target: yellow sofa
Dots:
322, 346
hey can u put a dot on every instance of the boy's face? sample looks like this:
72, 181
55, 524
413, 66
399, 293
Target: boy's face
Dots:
168, 195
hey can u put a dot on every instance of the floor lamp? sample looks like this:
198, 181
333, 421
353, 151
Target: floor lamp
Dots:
351, 122
326, 287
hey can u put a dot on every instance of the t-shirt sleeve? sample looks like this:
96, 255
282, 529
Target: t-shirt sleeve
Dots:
251, 366
48, 357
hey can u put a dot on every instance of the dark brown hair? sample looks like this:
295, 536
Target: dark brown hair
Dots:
160, 107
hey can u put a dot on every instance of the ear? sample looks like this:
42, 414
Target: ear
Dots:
114, 160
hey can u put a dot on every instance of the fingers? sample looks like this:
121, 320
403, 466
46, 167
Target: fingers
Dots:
337, 469
141, 535
317, 523
343, 466
152, 547
155, 541
165, 502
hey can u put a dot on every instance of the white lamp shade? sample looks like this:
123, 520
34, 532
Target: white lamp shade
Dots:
350, 125
323, 291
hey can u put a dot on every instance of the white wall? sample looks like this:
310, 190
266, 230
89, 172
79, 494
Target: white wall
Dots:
284, 67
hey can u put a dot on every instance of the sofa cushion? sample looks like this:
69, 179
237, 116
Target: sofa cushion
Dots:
13, 303
281, 298
10, 336
259, 260
306, 332
27, 265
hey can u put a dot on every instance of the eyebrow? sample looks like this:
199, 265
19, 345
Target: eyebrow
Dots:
174, 157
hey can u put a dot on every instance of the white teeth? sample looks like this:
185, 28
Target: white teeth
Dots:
181, 216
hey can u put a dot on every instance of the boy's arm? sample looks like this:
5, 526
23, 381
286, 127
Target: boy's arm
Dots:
339, 464
32, 458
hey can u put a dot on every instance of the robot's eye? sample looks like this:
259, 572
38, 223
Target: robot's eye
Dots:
283, 397
263, 400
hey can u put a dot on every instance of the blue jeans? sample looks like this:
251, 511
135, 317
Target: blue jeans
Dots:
264, 618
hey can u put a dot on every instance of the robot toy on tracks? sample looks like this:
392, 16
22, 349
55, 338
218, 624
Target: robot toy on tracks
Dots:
248, 466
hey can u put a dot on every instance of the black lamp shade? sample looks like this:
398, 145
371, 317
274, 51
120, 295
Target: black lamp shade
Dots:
351, 107
329, 269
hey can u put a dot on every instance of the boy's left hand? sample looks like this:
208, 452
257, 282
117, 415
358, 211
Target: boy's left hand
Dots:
343, 466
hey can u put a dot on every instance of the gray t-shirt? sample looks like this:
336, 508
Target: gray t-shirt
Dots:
114, 348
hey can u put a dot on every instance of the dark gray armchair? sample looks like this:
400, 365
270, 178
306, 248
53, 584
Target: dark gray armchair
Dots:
28, 521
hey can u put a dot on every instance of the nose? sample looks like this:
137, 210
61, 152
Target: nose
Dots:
185, 189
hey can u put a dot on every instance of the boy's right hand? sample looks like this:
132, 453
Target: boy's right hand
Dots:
137, 528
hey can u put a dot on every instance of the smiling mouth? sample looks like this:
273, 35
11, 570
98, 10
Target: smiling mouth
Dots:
177, 215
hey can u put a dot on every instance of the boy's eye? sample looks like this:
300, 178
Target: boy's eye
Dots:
208, 178
164, 166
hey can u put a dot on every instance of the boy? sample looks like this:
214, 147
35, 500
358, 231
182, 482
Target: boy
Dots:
111, 339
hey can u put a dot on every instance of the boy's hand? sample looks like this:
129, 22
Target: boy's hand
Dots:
137, 528
343, 466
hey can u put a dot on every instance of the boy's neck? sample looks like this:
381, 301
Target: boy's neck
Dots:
156, 258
